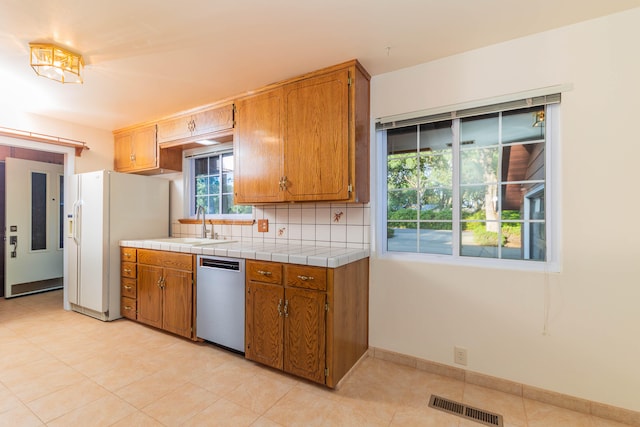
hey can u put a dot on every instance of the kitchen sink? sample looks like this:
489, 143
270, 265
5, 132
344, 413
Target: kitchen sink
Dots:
191, 241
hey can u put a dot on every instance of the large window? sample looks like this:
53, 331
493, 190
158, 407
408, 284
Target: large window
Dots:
474, 186
210, 184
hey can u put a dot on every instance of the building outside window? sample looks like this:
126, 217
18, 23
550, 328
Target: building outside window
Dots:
467, 185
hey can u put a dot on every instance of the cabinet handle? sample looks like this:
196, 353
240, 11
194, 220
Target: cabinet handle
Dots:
160, 283
127, 270
264, 273
286, 308
126, 307
283, 183
305, 278
280, 307
127, 287
127, 254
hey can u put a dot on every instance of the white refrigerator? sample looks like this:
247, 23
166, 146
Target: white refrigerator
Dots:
108, 207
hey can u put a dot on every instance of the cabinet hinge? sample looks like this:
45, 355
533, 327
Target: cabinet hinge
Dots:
326, 372
349, 81
350, 188
326, 306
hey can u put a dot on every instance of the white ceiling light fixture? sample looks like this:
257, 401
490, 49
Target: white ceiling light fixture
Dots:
56, 63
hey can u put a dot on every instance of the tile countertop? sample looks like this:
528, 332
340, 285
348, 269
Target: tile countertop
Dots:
320, 256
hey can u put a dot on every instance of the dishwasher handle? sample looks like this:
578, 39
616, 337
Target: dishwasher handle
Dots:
220, 264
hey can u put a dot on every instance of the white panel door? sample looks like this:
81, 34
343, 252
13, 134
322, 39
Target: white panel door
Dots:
33, 248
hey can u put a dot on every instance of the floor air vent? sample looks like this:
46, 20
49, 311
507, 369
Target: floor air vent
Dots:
464, 411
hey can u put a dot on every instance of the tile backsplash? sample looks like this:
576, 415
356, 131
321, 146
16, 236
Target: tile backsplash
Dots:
320, 224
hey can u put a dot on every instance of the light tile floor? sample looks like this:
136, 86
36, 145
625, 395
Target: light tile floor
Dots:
60, 368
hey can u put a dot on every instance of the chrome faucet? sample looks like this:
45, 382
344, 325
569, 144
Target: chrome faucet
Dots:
204, 225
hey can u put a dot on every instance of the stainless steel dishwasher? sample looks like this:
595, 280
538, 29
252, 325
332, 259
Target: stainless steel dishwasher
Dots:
220, 301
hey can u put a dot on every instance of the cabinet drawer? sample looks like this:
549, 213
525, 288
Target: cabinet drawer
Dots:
128, 288
265, 272
128, 254
128, 308
174, 260
128, 269
303, 276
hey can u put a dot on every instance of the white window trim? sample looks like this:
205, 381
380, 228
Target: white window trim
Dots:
553, 184
187, 178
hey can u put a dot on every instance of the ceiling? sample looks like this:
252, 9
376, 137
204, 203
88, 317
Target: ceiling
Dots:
146, 59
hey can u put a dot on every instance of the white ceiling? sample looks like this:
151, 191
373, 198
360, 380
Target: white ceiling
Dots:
146, 59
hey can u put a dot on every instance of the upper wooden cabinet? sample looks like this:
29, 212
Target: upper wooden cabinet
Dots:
136, 150
306, 139
199, 124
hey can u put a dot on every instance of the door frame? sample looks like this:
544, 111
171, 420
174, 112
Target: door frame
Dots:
69, 169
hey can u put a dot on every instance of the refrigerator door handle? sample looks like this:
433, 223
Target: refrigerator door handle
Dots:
77, 214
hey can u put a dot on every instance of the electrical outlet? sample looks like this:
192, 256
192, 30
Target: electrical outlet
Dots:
460, 355
263, 225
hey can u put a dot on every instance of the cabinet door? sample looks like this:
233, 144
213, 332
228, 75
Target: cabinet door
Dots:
175, 128
177, 302
122, 154
144, 147
264, 316
258, 148
304, 334
316, 138
150, 295
213, 120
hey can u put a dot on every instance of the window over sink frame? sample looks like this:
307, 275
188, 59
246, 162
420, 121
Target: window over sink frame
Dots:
208, 182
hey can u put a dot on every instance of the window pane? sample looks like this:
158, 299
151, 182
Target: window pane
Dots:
202, 201
479, 202
214, 205
535, 242
402, 140
436, 238
512, 238
227, 182
479, 166
436, 137
38, 211
214, 165
402, 237
201, 186
479, 131
518, 125
227, 162
227, 204
523, 162
214, 185
436, 170
402, 171
479, 239
201, 167
436, 203
402, 204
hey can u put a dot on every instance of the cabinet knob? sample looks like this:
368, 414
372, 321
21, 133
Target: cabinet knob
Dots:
280, 307
286, 308
127, 254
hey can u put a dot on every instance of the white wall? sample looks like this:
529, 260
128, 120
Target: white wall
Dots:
592, 349
100, 142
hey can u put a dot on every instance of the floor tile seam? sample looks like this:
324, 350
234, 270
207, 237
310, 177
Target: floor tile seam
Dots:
153, 401
218, 398
78, 407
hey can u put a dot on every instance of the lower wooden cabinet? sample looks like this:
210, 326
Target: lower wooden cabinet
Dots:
308, 321
128, 284
163, 295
